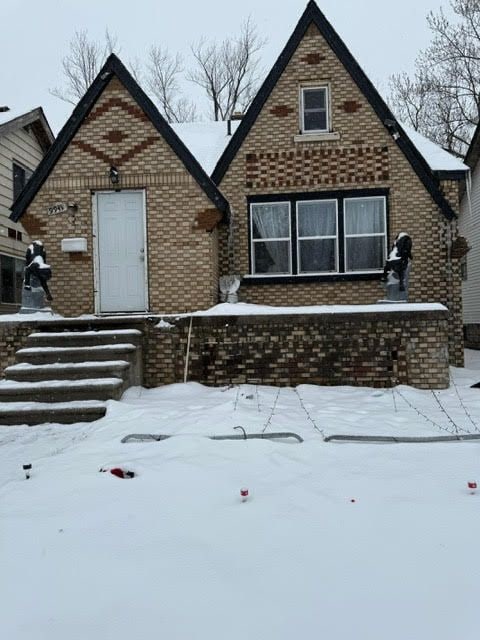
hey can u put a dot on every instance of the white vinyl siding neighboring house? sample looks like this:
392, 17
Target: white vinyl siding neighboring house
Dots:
24, 141
469, 227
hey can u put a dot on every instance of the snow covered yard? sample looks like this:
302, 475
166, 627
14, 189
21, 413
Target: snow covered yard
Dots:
337, 541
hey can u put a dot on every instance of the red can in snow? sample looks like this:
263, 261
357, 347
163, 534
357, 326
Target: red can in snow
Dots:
472, 486
244, 494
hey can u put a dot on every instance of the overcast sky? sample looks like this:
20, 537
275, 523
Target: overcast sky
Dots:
384, 36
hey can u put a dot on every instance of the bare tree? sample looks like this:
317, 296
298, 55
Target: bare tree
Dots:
163, 73
82, 64
228, 71
442, 98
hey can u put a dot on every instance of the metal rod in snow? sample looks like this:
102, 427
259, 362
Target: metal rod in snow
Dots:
187, 356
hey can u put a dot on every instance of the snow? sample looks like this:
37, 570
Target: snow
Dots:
78, 334
437, 158
30, 317
174, 553
95, 348
13, 385
205, 140
67, 365
246, 309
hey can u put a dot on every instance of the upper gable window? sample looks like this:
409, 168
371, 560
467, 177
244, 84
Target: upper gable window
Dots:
315, 112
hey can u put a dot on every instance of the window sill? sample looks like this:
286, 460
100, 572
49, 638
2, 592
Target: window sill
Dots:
317, 137
248, 281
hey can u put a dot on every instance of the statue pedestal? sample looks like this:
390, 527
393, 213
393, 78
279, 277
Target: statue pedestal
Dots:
33, 300
392, 288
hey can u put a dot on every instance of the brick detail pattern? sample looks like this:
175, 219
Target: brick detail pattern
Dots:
208, 219
351, 106
378, 350
271, 162
182, 258
97, 152
317, 167
281, 111
313, 58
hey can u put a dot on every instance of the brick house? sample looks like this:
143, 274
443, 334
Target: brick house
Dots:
303, 201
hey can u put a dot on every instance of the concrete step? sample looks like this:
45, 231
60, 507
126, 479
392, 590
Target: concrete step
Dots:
26, 372
34, 413
84, 338
50, 355
62, 390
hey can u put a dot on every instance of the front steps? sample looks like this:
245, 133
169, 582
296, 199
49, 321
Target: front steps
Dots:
66, 377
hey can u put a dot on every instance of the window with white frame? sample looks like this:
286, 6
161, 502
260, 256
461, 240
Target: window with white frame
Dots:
365, 234
315, 109
307, 236
317, 237
271, 238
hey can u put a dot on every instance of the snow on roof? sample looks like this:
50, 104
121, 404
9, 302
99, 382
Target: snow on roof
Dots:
205, 140
437, 158
208, 140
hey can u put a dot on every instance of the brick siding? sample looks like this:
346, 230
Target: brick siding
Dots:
270, 162
364, 349
182, 249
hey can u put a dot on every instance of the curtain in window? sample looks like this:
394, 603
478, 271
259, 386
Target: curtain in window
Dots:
271, 237
317, 236
365, 234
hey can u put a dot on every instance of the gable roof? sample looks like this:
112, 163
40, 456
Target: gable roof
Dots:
312, 14
35, 119
113, 66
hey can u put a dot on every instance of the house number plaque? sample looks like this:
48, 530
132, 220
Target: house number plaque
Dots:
58, 207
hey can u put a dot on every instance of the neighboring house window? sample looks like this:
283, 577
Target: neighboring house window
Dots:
21, 175
11, 279
315, 111
464, 268
318, 236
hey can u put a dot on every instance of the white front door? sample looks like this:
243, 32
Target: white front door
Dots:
121, 251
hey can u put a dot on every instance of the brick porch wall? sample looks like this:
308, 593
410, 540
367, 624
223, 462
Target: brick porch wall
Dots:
362, 349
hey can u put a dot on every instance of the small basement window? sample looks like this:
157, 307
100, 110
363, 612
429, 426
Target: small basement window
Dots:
314, 110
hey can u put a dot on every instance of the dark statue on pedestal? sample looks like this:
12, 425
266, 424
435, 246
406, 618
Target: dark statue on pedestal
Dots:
37, 274
397, 269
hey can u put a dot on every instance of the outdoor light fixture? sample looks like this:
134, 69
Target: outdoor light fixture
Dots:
114, 175
392, 126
